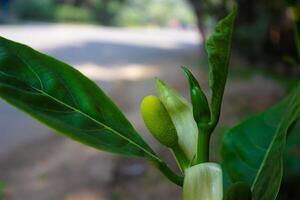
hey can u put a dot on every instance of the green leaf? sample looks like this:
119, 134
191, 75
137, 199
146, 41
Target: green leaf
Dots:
239, 191
245, 145
268, 179
200, 105
62, 98
292, 157
253, 150
218, 47
181, 115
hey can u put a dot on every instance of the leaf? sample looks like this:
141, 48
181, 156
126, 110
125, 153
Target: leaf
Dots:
181, 115
245, 145
268, 179
62, 98
292, 157
218, 47
253, 150
239, 191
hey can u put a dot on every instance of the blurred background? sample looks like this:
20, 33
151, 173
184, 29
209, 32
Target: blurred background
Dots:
123, 45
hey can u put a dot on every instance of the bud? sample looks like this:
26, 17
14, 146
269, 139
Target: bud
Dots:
201, 109
203, 182
158, 121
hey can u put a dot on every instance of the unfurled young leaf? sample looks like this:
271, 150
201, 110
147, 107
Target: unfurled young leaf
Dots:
253, 150
218, 47
181, 114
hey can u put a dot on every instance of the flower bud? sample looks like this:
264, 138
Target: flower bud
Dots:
201, 109
203, 182
158, 121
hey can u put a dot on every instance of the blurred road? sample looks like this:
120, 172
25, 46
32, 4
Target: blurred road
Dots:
122, 61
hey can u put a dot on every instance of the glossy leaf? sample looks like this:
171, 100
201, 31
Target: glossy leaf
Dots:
245, 145
181, 115
253, 150
218, 47
62, 98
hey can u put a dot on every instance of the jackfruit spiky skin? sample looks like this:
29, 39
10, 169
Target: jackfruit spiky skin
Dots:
158, 121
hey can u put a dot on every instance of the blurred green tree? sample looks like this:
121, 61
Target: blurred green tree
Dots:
34, 9
155, 12
106, 11
264, 29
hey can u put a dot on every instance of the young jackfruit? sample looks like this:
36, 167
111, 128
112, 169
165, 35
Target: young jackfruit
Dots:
158, 121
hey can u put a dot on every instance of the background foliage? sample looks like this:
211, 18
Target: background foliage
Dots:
263, 24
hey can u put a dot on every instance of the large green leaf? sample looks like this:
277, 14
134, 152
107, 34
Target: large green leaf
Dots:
253, 150
218, 47
61, 97
245, 145
239, 191
268, 179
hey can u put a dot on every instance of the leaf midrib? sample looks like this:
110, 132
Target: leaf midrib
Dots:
84, 114
99, 123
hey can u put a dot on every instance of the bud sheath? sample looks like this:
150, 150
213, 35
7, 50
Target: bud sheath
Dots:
203, 182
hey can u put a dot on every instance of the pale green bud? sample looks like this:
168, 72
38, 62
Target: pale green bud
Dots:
203, 182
